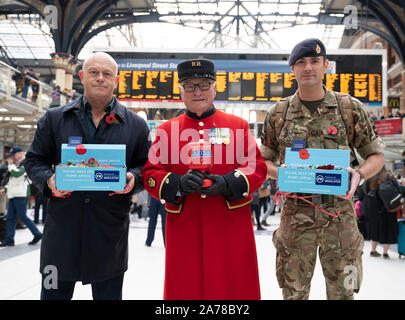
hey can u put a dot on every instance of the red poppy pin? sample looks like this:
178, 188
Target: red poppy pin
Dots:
111, 119
332, 130
80, 149
304, 154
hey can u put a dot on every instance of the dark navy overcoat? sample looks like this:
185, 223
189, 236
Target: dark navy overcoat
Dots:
86, 234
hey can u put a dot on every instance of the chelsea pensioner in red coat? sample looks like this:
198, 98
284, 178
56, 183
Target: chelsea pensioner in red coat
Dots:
210, 245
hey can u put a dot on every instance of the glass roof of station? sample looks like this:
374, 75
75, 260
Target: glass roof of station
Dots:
25, 40
284, 24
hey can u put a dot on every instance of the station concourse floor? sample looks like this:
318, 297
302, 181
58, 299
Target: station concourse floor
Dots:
20, 278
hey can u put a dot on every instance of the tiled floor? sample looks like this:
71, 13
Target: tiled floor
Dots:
20, 279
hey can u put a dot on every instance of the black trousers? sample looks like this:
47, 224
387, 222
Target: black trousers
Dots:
256, 209
110, 289
155, 208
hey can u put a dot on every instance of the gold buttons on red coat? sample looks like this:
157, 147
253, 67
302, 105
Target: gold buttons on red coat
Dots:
201, 123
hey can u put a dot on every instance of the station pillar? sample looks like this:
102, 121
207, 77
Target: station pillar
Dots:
61, 60
69, 71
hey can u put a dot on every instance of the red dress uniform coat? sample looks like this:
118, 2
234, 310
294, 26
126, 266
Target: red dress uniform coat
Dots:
210, 245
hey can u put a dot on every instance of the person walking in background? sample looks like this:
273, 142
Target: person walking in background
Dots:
255, 208
382, 225
360, 213
4, 176
35, 86
139, 205
264, 196
27, 83
56, 93
271, 210
156, 208
19, 78
18, 192
39, 200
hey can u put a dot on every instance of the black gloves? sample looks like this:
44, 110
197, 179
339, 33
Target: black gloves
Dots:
191, 182
219, 186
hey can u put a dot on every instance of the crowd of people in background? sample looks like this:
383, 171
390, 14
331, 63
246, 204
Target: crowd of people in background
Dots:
375, 222
14, 217
393, 113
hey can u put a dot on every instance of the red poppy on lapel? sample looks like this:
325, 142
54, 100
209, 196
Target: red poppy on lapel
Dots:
111, 118
332, 130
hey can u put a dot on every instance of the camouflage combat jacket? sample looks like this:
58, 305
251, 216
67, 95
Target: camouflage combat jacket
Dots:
300, 124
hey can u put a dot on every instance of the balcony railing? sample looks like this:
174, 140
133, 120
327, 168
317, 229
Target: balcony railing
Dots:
25, 87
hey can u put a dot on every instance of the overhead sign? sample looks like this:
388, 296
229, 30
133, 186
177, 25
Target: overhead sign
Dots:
388, 127
237, 81
144, 76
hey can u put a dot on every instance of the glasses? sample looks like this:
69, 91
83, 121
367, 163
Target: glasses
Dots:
204, 86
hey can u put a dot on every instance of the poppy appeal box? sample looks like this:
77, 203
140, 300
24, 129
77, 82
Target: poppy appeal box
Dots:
92, 167
317, 171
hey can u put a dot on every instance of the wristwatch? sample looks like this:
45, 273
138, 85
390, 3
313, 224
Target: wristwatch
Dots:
362, 179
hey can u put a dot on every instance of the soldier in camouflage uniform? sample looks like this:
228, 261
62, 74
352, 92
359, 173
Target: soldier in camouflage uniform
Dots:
304, 229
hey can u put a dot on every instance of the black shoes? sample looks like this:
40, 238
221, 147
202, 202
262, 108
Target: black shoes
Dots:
7, 244
35, 240
11, 244
375, 254
261, 228
264, 223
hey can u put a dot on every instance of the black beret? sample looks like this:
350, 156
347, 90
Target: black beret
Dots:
311, 47
196, 68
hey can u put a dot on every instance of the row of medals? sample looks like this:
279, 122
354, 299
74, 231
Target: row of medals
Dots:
219, 136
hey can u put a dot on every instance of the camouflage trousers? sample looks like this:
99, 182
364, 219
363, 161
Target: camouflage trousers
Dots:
303, 231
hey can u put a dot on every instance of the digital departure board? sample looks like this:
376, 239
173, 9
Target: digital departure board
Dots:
248, 80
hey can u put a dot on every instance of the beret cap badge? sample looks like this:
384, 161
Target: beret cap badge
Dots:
310, 47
